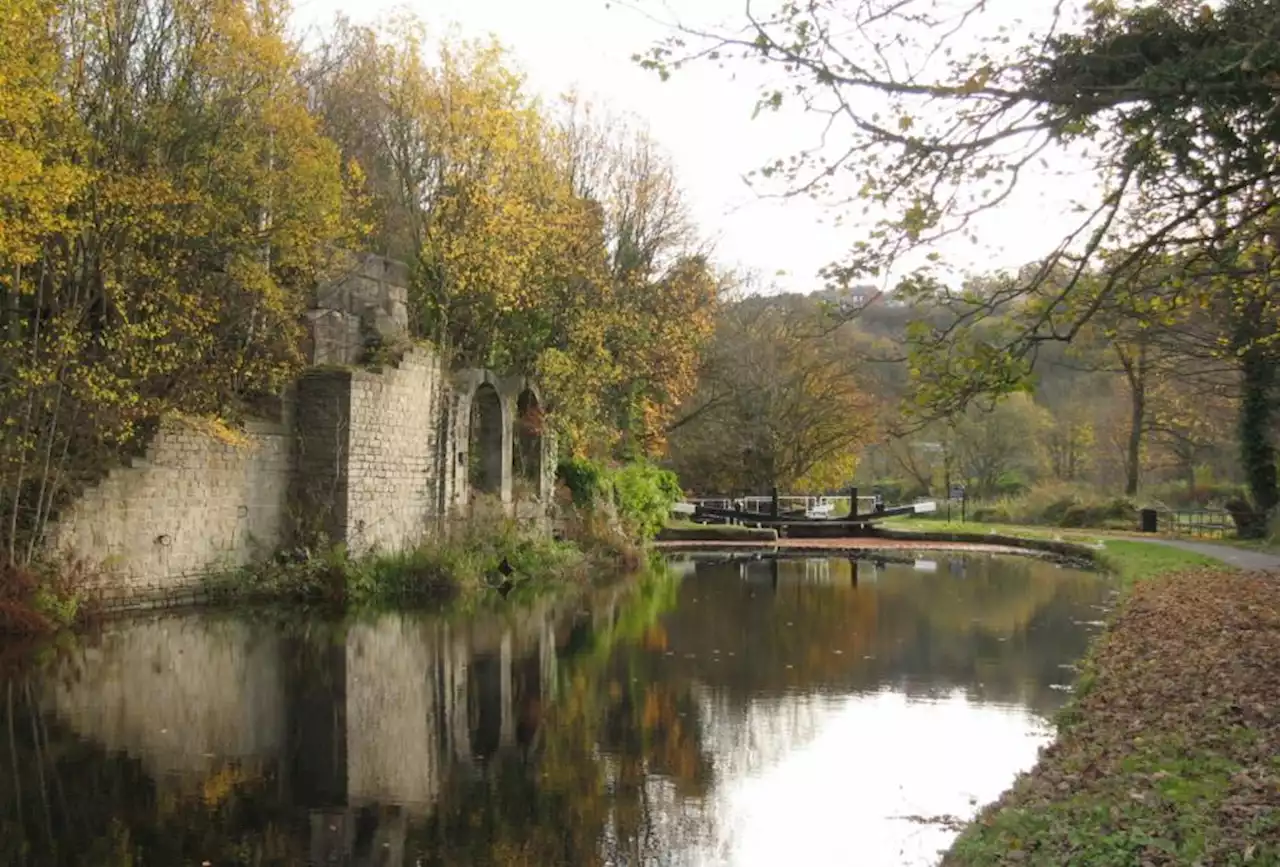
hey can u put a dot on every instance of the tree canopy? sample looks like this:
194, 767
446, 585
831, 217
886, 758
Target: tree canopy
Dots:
935, 112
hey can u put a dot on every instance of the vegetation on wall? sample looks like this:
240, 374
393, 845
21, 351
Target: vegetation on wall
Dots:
177, 177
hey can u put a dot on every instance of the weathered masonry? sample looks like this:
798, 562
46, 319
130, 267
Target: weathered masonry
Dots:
379, 459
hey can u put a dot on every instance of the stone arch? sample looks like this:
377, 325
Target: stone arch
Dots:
485, 440
526, 457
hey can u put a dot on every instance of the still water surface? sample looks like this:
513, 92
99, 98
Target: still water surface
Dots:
727, 712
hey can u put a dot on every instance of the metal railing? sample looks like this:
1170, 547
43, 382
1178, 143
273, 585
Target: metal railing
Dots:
788, 503
1204, 523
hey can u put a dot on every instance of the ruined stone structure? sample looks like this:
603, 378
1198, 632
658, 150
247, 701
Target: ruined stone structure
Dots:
379, 459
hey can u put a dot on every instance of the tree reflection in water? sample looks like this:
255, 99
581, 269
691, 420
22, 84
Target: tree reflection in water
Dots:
591, 732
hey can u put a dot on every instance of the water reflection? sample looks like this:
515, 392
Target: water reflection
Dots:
724, 711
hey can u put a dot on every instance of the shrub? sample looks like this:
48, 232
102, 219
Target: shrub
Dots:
1175, 495
586, 480
644, 495
997, 513
896, 491
41, 598
641, 492
466, 563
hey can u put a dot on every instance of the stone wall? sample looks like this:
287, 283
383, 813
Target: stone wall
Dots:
394, 500
194, 503
380, 459
366, 305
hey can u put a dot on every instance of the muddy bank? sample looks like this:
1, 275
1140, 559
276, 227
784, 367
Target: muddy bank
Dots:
1169, 753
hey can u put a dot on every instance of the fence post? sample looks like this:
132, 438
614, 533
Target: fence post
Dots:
773, 501
853, 502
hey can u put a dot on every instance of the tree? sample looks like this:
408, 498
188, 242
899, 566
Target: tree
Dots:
169, 205
1172, 102
773, 407
543, 243
1000, 446
663, 285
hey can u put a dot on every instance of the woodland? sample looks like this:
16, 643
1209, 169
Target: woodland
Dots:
1137, 357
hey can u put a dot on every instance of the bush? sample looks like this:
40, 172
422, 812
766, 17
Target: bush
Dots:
641, 492
997, 513
644, 495
41, 598
1059, 505
1175, 495
586, 480
896, 491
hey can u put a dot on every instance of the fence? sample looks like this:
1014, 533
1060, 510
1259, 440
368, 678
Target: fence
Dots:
789, 503
1206, 523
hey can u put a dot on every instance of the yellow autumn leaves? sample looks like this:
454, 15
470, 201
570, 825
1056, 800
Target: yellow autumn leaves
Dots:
175, 176
546, 238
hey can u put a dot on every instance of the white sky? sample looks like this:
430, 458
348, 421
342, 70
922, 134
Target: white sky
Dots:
702, 118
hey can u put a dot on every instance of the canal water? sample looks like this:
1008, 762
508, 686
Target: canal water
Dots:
720, 711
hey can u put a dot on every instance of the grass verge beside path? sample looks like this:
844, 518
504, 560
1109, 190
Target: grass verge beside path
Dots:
1170, 752
1137, 561
1130, 559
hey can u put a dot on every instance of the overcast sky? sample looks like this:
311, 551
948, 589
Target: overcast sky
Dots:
702, 118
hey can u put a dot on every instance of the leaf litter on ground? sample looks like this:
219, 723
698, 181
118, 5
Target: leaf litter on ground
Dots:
1170, 751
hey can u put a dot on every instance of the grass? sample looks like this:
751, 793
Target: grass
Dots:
1029, 531
466, 565
690, 531
1133, 561
1130, 559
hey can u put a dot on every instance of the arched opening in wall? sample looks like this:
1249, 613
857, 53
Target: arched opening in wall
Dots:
526, 457
484, 449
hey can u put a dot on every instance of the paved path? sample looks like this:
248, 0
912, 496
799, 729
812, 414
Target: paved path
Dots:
1241, 558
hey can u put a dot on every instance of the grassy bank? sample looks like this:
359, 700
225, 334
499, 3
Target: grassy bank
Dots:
1170, 752
1129, 559
499, 561
1167, 754
1133, 561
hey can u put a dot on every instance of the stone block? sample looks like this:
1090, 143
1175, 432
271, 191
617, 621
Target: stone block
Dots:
333, 337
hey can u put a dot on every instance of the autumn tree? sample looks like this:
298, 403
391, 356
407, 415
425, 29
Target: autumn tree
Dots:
169, 204
936, 113
662, 282
541, 243
774, 406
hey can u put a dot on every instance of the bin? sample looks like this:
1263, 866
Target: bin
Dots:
1150, 520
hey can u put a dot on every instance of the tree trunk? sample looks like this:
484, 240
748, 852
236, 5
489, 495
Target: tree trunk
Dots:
1135, 370
1257, 409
